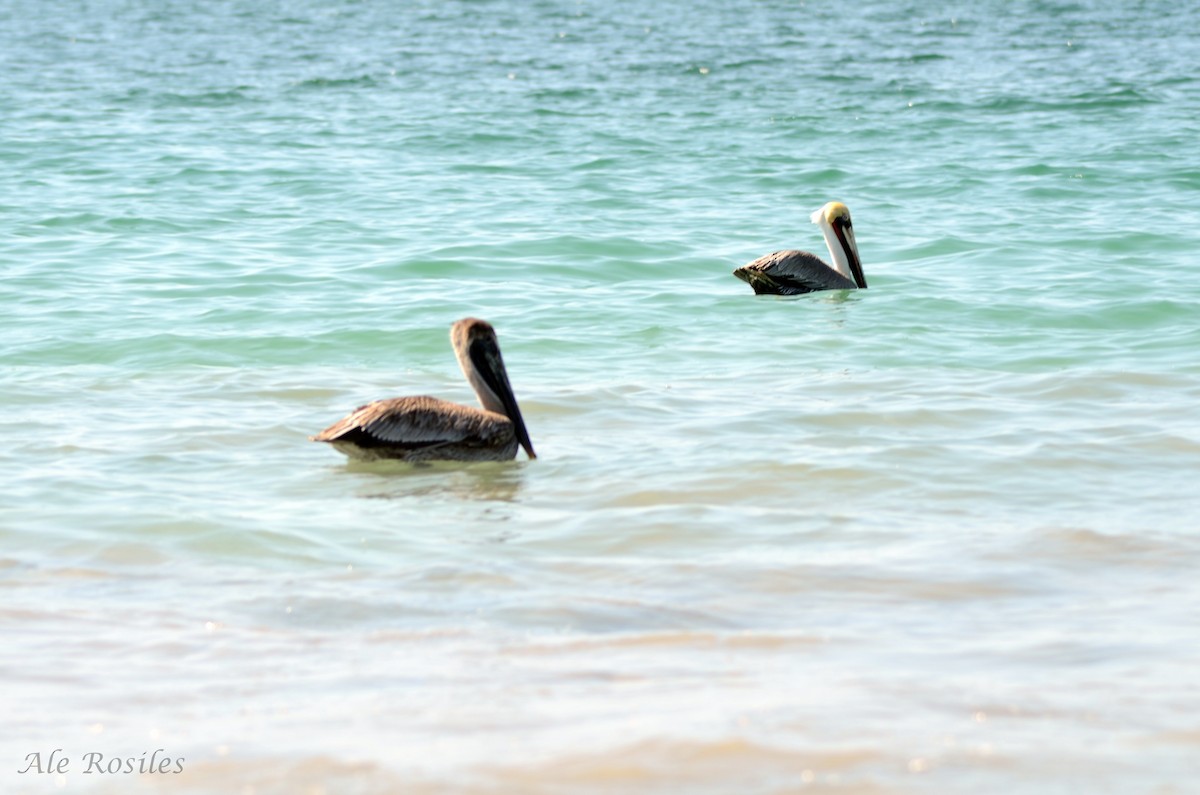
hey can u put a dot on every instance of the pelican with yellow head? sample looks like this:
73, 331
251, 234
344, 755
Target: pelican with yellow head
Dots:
795, 272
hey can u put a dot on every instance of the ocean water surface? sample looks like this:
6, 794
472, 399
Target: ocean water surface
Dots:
939, 535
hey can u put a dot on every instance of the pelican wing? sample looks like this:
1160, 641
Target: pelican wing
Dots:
415, 423
792, 273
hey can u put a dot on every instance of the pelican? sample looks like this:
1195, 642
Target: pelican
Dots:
428, 429
794, 272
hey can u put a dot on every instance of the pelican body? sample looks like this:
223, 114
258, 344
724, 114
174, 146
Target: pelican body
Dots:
795, 272
429, 429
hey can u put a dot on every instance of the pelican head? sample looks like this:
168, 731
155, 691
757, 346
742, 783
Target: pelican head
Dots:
479, 357
834, 220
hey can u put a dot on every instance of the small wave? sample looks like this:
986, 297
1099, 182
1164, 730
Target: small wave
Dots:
749, 63
213, 98
237, 95
573, 92
320, 83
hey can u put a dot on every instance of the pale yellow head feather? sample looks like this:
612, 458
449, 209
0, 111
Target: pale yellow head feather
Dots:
830, 212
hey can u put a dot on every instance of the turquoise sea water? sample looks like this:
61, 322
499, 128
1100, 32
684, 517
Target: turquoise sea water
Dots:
936, 536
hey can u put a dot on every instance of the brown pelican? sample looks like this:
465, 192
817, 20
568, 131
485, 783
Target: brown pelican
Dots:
795, 272
428, 429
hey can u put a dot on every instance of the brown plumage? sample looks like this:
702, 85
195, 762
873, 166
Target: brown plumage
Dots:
428, 429
794, 272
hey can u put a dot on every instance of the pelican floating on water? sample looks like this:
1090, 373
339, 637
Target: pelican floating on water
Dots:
794, 272
428, 429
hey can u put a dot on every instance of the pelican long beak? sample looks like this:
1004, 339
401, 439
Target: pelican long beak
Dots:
845, 235
484, 354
